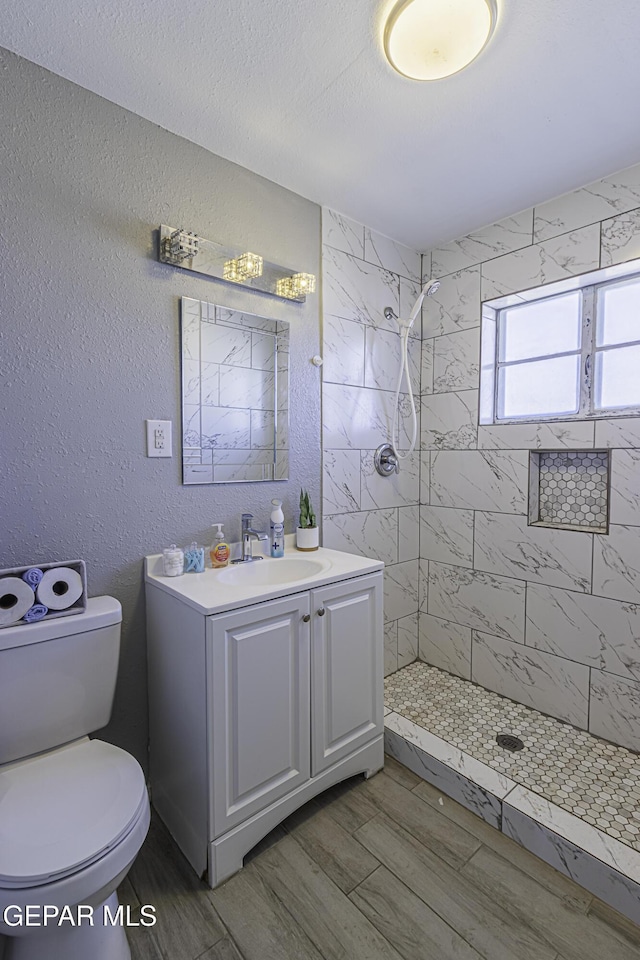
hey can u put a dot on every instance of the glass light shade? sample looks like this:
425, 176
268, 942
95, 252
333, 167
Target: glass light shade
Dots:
250, 264
243, 268
182, 246
297, 286
431, 39
302, 284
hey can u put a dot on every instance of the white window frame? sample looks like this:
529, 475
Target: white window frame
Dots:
492, 326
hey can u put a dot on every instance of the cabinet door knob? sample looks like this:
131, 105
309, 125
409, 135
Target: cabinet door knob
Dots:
306, 618
321, 612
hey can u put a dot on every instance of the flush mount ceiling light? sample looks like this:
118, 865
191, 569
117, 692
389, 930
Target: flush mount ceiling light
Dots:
431, 39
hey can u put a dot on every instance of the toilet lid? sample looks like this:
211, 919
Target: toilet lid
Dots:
62, 810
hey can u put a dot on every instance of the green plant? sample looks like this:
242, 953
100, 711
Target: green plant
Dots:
307, 516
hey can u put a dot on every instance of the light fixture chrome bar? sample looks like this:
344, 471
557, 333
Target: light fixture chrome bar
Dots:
189, 252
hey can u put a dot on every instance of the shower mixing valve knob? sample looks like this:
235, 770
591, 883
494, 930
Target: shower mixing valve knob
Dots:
386, 461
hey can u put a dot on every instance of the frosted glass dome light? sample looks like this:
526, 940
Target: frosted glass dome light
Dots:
431, 39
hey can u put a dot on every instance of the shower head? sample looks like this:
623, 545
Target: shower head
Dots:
428, 290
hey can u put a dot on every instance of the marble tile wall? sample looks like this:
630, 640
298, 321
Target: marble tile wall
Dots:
550, 618
364, 272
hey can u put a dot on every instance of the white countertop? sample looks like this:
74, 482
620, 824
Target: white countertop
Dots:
209, 593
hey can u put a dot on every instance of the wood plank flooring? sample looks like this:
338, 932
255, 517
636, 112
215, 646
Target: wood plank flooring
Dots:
384, 869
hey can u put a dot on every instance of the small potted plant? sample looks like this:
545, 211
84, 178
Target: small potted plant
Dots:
307, 535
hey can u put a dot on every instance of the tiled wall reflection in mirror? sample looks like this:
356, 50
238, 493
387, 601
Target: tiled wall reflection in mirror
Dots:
235, 395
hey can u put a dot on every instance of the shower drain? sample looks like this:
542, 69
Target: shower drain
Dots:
509, 742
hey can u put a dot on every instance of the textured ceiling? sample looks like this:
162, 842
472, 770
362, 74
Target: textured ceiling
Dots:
300, 93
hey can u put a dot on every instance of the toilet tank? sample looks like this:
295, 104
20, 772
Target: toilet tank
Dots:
57, 678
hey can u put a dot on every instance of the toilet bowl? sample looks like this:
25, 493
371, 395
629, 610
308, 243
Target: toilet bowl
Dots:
72, 817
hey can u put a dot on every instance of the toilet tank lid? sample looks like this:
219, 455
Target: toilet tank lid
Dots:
100, 612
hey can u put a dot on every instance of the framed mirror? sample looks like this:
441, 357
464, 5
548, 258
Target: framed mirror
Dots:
235, 395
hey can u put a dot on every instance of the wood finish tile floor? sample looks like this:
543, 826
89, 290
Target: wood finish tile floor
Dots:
385, 869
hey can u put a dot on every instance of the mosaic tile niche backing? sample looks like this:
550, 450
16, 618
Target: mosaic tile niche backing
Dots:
570, 489
590, 778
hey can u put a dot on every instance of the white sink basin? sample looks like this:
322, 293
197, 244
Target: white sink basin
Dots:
274, 572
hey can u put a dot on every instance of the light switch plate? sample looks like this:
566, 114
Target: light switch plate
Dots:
158, 438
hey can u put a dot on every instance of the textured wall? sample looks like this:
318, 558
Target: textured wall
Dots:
550, 618
362, 273
90, 341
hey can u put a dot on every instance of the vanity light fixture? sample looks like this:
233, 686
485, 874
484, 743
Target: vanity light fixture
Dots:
243, 268
297, 286
212, 259
432, 39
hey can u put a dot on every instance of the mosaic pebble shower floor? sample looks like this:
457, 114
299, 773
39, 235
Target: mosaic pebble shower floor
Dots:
590, 778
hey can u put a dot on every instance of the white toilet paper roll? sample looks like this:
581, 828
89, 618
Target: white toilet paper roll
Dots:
16, 597
59, 588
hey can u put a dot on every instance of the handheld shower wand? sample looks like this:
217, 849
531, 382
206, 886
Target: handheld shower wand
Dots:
430, 287
428, 290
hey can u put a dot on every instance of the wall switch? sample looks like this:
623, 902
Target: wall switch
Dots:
158, 438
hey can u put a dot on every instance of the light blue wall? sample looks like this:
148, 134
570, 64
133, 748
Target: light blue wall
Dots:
90, 341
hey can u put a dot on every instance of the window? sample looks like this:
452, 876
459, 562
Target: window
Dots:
569, 355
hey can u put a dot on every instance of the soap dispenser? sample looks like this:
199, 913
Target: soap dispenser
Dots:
220, 550
276, 529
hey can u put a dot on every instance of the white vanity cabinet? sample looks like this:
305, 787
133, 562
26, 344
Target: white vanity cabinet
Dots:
256, 708
259, 698
346, 669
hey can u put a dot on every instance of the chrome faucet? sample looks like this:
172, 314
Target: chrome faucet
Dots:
248, 536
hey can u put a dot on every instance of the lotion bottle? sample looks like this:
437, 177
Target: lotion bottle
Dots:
276, 529
220, 550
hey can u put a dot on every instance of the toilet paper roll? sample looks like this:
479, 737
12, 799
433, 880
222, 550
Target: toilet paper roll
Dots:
16, 597
59, 588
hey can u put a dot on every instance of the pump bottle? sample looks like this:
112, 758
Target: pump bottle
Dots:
220, 550
276, 529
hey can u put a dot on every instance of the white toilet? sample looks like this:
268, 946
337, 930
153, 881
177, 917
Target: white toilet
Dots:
74, 812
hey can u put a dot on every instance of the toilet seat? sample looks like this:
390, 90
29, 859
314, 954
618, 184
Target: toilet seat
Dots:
64, 810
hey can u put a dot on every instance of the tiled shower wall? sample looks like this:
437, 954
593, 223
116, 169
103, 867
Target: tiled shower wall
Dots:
364, 272
550, 618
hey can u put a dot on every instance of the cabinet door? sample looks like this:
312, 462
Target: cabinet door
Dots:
346, 668
258, 680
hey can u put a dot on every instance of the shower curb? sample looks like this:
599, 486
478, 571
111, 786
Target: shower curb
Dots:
601, 864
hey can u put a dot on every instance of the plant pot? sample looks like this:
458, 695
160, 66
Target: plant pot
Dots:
307, 538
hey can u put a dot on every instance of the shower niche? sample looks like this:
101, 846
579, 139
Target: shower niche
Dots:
569, 489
